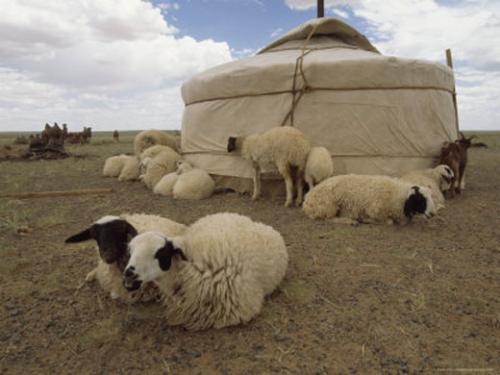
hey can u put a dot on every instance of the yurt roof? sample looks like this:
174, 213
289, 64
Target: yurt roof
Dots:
325, 26
338, 58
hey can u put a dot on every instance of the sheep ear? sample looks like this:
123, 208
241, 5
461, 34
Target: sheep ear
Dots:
231, 144
131, 231
179, 252
84, 235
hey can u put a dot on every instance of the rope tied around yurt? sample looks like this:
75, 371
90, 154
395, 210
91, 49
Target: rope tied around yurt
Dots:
299, 67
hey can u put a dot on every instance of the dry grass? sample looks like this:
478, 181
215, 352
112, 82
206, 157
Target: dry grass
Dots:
367, 299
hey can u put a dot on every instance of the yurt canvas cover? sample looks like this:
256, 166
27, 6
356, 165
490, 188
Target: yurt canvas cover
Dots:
375, 114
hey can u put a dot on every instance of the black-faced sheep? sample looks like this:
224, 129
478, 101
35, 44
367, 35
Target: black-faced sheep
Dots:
350, 199
438, 179
216, 274
112, 234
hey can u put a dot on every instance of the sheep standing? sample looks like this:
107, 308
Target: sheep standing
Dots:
163, 163
112, 234
192, 183
438, 179
319, 166
362, 198
148, 138
284, 147
216, 274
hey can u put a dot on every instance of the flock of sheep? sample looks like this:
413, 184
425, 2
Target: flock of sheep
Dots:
217, 271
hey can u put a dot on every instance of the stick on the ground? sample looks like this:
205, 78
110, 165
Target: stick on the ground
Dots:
62, 193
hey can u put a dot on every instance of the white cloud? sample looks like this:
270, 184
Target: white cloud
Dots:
340, 13
425, 28
112, 63
276, 32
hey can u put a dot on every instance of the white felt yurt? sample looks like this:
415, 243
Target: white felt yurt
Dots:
375, 114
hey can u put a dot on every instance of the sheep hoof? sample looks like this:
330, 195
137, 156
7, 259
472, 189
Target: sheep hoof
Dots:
288, 203
255, 197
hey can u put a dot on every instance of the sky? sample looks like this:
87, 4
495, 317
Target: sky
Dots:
119, 64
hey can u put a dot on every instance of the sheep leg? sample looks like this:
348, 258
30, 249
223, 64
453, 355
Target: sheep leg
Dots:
299, 183
285, 171
458, 182
91, 276
462, 183
256, 182
345, 221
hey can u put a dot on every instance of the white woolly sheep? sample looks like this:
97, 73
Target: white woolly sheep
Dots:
319, 166
112, 234
152, 151
166, 185
148, 138
192, 183
437, 179
114, 165
131, 169
216, 274
284, 147
163, 163
368, 199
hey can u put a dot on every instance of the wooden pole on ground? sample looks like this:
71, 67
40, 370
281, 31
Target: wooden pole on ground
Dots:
321, 8
449, 61
63, 193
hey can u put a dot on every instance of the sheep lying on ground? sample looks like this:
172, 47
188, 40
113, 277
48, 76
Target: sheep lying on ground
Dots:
125, 167
319, 166
454, 155
437, 179
152, 151
163, 163
192, 183
166, 185
112, 234
216, 274
114, 165
284, 147
131, 169
362, 198
148, 138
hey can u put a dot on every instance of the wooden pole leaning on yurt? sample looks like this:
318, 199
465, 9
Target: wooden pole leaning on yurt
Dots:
449, 62
321, 8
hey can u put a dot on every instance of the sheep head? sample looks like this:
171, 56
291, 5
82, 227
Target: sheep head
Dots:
234, 143
419, 201
112, 235
447, 176
464, 141
151, 254
183, 166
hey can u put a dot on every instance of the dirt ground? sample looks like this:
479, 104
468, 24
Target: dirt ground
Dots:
370, 299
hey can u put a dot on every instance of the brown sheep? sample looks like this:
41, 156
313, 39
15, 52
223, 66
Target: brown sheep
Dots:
454, 155
116, 136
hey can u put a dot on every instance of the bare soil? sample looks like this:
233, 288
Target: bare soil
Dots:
369, 299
